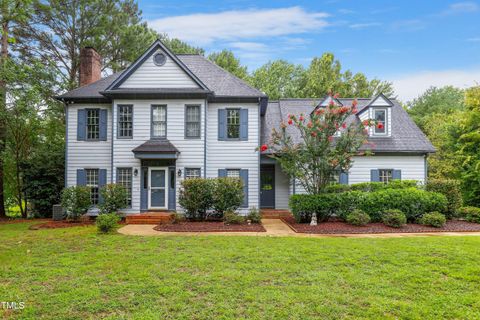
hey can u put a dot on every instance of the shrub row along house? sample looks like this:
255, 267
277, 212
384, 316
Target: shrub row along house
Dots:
171, 117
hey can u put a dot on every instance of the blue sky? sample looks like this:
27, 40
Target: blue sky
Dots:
414, 44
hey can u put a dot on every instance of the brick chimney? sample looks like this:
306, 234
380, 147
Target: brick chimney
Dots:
90, 66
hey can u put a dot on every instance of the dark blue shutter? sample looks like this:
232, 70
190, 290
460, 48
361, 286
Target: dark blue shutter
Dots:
397, 174
222, 124
222, 173
81, 124
244, 177
243, 124
172, 189
343, 177
143, 188
103, 124
81, 177
374, 175
102, 181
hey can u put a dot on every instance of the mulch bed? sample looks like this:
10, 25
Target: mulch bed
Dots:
209, 226
338, 227
51, 224
21, 220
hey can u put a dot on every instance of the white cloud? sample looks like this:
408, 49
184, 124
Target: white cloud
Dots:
249, 46
410, 86
409, 25
205, 28
474, 39
462, 7
365, 25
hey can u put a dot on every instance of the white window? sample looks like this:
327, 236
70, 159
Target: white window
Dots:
192, 122
233, 123
159, 121
192, 173
125, 121
125, 179
385, 175
92, 182
380, 117
93, 124
233, 173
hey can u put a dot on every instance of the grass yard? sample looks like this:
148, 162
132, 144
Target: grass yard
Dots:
76, 274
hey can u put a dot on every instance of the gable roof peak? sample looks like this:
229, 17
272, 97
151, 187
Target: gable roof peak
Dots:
157, 44
329, 99
380, 100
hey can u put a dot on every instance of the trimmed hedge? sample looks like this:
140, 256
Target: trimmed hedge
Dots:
394, 218
434, 219
451, 190
358, 218
471, 214
372, 186
413, 202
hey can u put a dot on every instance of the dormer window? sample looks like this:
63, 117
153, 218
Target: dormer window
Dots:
380, 117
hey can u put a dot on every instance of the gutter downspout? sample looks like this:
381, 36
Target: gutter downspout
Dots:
65, 108
205, 140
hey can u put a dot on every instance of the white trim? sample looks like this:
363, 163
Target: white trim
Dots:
150, 187
385, 122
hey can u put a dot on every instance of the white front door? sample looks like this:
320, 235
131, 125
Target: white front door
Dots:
157, 188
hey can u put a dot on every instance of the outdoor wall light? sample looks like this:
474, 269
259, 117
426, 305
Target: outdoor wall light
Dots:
179, 172
135, 172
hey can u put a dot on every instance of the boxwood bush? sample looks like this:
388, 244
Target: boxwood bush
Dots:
471, 214
434, 219
358, 218
372, 186
413, 202
394, 218
451, 190
107, 222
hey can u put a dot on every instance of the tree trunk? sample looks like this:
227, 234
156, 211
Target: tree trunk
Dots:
3, 110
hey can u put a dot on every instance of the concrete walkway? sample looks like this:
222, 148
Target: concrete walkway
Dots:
277, 228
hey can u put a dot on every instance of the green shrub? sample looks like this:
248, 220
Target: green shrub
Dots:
114, 197
371, 186
337, 188
196, 197
76, 201
471, 214
412, 201
227, 194
107, 222
254, 215
394, 218
434, 219
451, 190
231, 217
358, 218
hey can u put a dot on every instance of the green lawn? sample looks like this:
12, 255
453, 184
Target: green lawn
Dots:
76, 274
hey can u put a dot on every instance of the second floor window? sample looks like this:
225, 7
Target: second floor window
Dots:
91, 176
159, 121
380, 116
192, 122
233, 123
125, 121
93, 124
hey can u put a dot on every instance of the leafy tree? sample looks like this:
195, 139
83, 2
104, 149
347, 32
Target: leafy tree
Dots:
60, 29
179, 47
469, 147
12, 14
445, 100
278, 79
227, 60
324, 75
320, 151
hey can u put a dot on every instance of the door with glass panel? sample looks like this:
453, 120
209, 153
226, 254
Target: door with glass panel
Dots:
157, 186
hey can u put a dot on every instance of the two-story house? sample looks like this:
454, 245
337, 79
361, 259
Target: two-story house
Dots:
171, 117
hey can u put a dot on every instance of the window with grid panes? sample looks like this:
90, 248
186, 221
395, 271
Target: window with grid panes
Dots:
125, 121
92, 182
192, 121
125, 179
93, 124
159, 121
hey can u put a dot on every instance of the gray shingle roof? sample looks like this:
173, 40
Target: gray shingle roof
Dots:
217, 80
405, 137
220, 81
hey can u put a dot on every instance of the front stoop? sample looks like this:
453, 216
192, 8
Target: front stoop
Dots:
155, 218
275, 214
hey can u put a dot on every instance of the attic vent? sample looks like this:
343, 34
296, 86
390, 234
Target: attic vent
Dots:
159, 59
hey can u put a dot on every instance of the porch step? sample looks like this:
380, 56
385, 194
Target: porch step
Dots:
275, 214
150, 218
